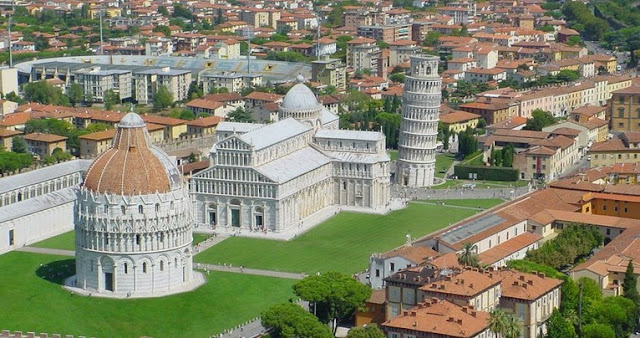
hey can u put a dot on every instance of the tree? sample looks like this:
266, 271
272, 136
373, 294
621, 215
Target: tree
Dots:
240, 115
619, 313
397, 77
12, 161
334, 295
18, 145
469, 255
508, 152
513, 327
163, 10
195, 91
467, 143
110, 99
162, 98
14, 97
559, 327
498, 321
369, 331
291, 320
76, 94
43, 92
431, 39
539, 119
596, 330
162, 29
630, 284
98, 126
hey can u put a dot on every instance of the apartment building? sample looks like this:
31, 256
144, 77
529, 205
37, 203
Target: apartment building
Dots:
492, 110
357, 43
622, 149
624, 109
329, 72
42, 144
548, 158
147, 83
386, 33
469, 287
158, 46
459, 121
234, 82
95, 82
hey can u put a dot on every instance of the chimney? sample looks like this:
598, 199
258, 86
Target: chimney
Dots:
405, 312
530, 282
459, 321
451, 319
413, 313
521, 277
541, 274
441, 287
471, 285
515, 283
474, 313
465, 309
434, 286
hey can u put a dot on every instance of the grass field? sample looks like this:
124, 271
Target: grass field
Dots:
65, 241
342, 243
199, 238
393, 154
443, 163
33, 303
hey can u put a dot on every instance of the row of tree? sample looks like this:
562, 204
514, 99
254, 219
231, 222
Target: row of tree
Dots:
575, 241
502, 157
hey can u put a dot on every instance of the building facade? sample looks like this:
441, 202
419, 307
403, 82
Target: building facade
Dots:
270, 177
419, 126
133, 220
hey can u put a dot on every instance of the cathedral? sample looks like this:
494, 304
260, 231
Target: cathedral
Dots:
269, 177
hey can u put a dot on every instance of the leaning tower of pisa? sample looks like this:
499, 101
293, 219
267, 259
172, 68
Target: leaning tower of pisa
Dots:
419, 126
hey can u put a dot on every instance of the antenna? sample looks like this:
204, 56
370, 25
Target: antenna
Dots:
13, 12
318, 41
101, 41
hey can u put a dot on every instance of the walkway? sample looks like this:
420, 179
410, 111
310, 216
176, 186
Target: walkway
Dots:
248, 271
448, 205
47, 251
458, 193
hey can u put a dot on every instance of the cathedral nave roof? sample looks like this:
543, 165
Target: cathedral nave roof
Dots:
342, 134
354, 157
293, 165
274, 133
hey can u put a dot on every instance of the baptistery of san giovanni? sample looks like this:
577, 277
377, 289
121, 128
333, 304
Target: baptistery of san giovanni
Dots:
133, 220
269, 177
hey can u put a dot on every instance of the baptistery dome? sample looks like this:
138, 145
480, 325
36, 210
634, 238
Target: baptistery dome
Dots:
132, 166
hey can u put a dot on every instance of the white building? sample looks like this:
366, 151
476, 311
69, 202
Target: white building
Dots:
270, 177
96, 82
147, 82
234, 82
133, 221
419, 126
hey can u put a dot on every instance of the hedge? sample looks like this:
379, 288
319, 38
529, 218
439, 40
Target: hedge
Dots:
487, 173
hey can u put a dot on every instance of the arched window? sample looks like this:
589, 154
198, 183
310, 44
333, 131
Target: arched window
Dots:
176, 261
161, 265
144, 267
171, 205
140, 209
126, 268
620, 112
106, 209
123, 209
157, 207
19, 196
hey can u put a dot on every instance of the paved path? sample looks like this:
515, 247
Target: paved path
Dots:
248, 271
448, 205
47, 251
458, 193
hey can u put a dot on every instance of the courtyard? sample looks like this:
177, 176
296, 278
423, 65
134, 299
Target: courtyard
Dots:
33, 300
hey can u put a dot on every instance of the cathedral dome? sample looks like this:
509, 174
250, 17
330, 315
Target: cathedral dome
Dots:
132, 166
300, 97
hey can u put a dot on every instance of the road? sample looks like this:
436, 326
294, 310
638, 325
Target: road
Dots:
594, 47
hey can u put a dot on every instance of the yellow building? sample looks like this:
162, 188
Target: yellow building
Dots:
624, 149
459, 121
6, 138
618, 205
203, 126
109, 12
492, 110
373, 310
624, 109
173, 128
96, 143
624, 173
44, 144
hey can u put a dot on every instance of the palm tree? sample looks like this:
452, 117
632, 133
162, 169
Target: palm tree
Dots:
513, 327
504, 325
468, 256
498, 321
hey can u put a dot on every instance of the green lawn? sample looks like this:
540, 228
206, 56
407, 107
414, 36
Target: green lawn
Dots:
65, 241
199, 238
481, 184
342, 243
393, 154
443, 163
33, 303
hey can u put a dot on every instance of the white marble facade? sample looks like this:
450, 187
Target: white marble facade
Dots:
270, 177
419, 127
